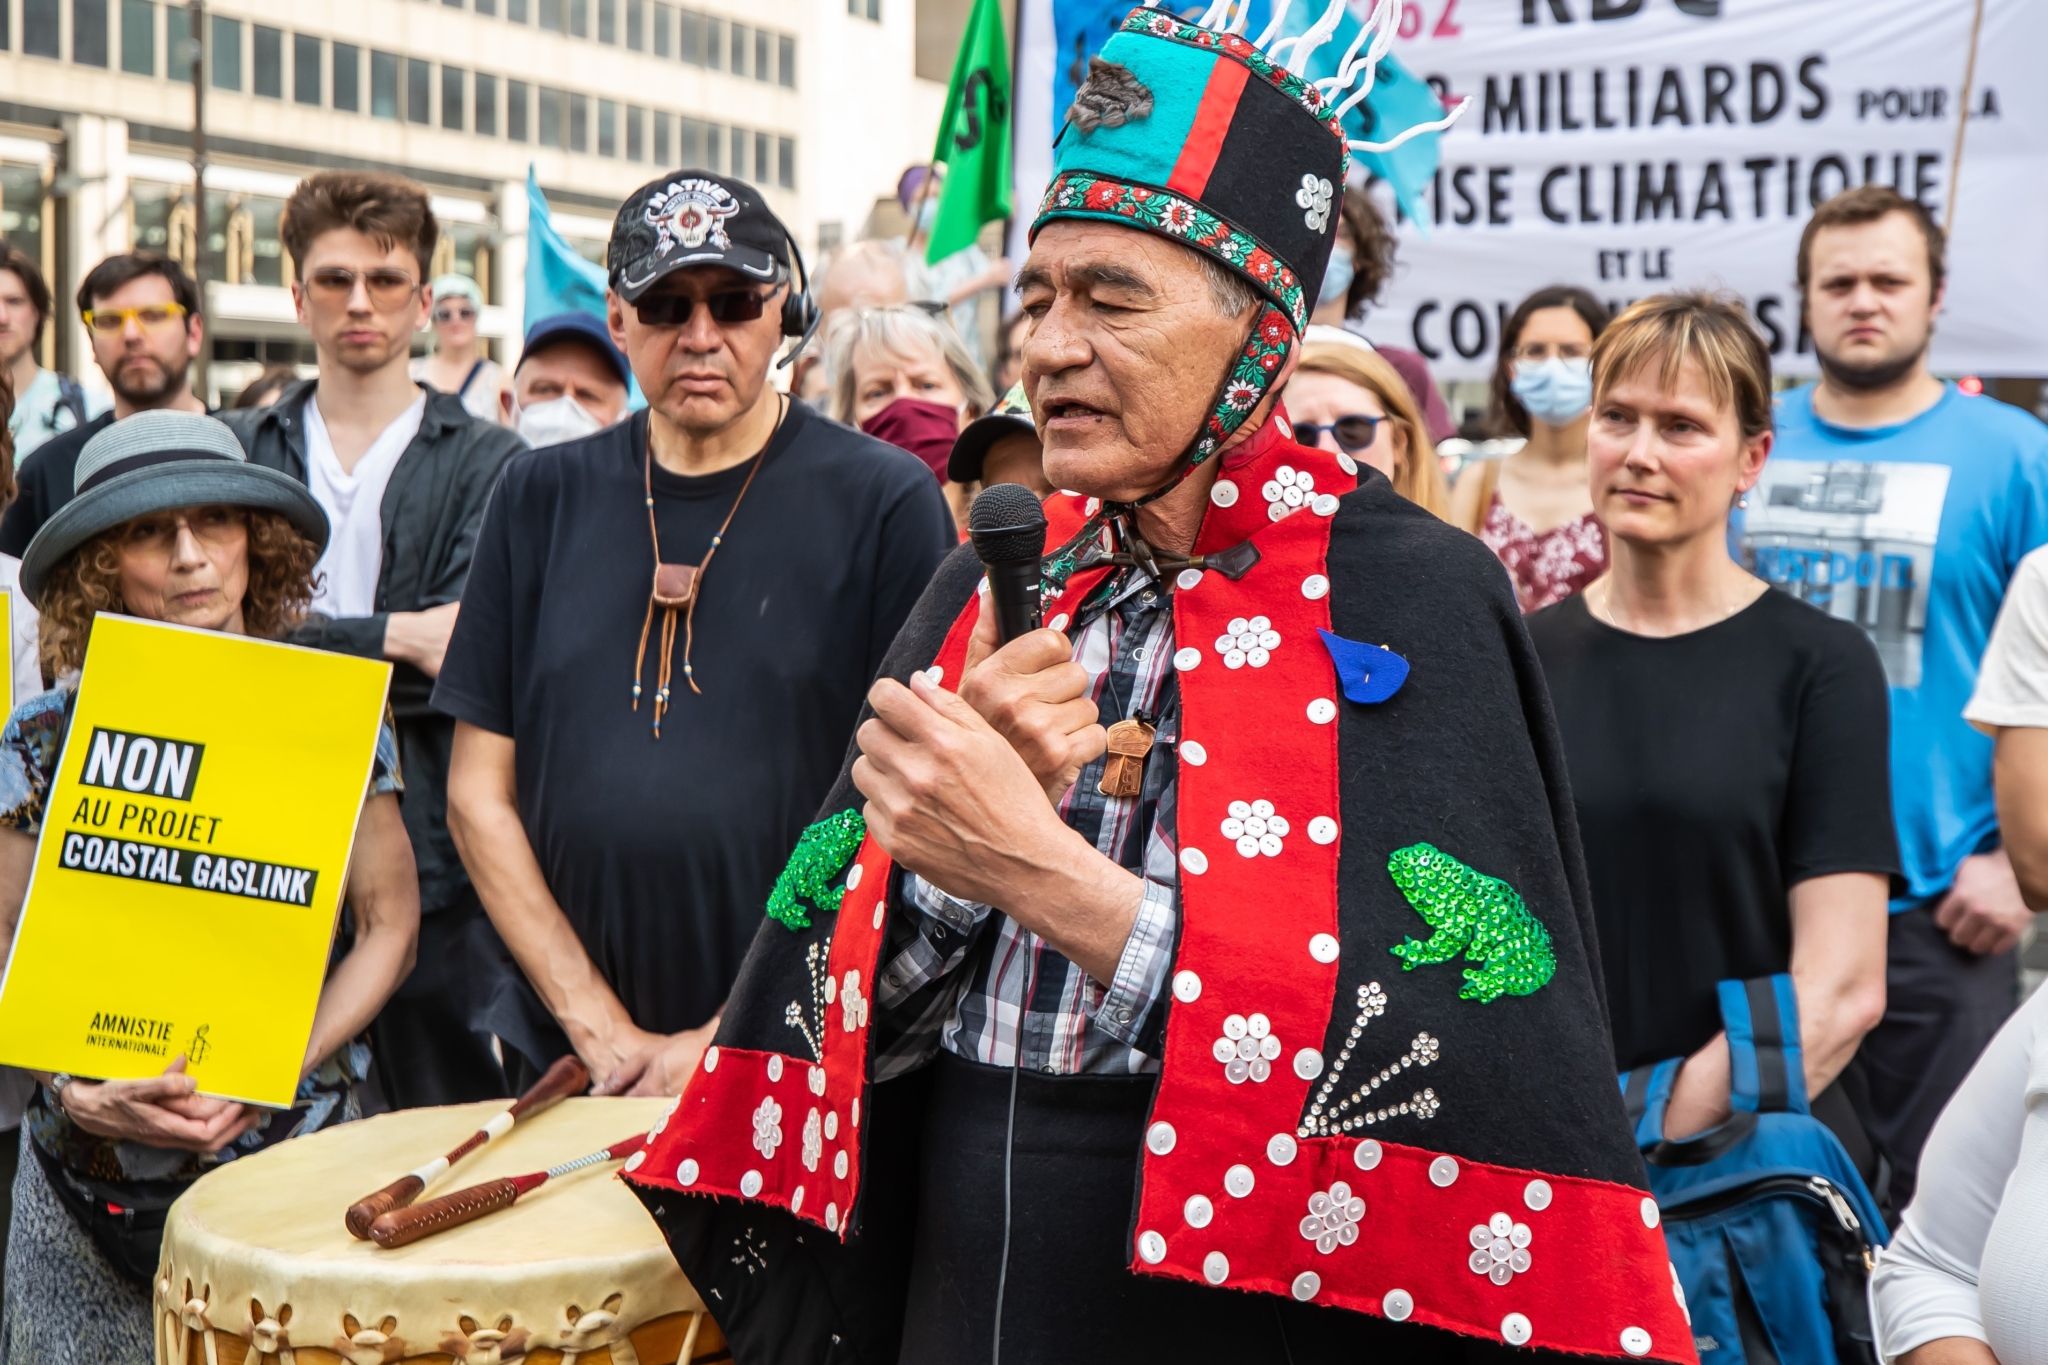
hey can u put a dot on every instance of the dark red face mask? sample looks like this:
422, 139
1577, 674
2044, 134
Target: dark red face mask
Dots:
926, 430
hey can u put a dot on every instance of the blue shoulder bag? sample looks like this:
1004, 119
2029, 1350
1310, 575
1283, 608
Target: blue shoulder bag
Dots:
1771, 1229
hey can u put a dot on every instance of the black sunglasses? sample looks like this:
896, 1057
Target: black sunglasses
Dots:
731, 305
1354, 433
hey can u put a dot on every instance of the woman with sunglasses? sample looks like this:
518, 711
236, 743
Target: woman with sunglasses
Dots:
457, 363
1532, 509
1347, 398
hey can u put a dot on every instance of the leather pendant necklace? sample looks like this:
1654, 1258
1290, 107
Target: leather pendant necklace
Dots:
1130, 740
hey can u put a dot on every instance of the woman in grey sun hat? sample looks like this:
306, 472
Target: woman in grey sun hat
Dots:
169, 523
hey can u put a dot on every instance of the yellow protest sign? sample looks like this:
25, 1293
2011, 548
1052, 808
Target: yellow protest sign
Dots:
189, 872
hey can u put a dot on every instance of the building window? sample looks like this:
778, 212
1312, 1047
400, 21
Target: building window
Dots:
515, 11
42, 28
764, 55
138, 37
785, 162
89, 32
636, 139
764, 158
515, 110
453, 83
865, 9
554, 15
348, 77
383, 84
690, 36
452, 4
267, 47
579, 123
636, 25
551, 119
738, 65
419, 91
224, 51
738, 163
661, 149
664, 19
608, 21
487, 7
785, 68
714, 42
178, 43
607, 128
306, 69
579, 18
486, 105
689, 141
714, 146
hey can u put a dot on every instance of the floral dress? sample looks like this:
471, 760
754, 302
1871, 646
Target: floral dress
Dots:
1546, 566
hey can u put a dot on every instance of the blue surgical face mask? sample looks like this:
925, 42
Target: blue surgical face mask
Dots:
1337, 279
1556, 391
928, 212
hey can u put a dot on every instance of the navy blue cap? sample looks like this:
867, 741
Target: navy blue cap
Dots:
580, 327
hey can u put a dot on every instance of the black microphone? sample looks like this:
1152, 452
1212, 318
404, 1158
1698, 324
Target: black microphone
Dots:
1007, 527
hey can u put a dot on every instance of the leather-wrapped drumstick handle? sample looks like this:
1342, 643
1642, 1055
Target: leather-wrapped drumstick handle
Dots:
568, 1076
402, 1226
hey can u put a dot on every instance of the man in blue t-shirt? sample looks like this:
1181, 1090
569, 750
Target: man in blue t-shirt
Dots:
1897, 501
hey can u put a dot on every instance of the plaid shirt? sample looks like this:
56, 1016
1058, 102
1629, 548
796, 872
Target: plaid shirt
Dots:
957, 971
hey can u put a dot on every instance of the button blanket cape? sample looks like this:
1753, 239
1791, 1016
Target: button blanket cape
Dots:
1387, 1082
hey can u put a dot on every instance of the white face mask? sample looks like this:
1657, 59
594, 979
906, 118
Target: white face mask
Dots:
556, 421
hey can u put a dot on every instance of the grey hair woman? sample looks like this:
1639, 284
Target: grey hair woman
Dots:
903, 375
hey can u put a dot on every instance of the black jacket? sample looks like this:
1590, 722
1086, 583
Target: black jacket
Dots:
431, 511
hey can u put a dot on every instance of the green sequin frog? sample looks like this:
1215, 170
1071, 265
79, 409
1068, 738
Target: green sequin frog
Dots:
1474, 914
821, 853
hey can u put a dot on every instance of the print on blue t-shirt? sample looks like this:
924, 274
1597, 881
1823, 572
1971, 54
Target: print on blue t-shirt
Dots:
1911, 531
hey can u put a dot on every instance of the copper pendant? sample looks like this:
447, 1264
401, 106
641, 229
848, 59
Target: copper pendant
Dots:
1124, 772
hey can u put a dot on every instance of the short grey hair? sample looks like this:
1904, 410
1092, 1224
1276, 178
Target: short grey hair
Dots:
905, 330
1230, 291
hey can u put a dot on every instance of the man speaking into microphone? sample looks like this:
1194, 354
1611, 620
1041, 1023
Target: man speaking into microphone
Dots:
1226, 933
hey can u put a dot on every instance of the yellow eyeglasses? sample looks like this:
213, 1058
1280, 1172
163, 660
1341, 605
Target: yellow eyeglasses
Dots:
113, 321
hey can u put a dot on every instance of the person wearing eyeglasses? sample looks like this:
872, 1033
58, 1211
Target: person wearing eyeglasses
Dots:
664, 647
457, 364
141, 311
403, 473
1534, 509
1348, 398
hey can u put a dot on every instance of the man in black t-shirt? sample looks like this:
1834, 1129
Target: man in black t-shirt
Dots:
632, 767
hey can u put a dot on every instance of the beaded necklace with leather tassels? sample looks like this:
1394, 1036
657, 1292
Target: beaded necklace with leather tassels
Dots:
677, 587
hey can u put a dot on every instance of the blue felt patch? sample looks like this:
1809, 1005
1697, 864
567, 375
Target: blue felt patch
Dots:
1369, 674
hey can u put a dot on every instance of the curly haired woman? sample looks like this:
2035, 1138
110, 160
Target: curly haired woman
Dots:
169, 523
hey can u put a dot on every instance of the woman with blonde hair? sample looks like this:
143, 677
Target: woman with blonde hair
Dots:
903, 375
1347, 398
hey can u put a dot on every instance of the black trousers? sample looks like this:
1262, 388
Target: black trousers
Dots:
430, 1045
1942, 1005
1069, 1294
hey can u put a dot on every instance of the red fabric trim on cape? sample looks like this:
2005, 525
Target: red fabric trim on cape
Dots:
1230, 1178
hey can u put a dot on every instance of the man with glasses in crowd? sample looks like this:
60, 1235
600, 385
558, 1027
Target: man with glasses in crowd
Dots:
403, 473
640, 747
142, 311
46, 403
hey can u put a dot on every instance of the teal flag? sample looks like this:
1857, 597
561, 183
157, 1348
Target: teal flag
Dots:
559, 278
974, 136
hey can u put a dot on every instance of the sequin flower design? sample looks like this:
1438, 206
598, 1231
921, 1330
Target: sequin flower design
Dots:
814, 1140
1255, 828
768, 1127
1315, 195
1247, 1048
1331, 1115
1287, 491
853, 1006
1248, 640
1500, 1248
1333, 1216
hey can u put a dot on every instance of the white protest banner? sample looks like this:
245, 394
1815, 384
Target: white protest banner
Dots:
1634, 146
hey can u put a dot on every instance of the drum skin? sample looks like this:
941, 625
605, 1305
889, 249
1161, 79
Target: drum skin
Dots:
258, 1268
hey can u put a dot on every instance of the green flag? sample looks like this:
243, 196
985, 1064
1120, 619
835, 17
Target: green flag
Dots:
974, 136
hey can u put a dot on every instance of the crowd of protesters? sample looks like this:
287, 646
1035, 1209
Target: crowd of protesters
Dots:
586, 844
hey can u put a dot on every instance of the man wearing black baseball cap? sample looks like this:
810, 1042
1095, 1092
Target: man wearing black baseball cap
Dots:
666, 638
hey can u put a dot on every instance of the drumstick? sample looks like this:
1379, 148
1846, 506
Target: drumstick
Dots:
566, 1077
401, 1226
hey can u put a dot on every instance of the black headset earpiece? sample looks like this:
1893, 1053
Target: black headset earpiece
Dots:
800, 315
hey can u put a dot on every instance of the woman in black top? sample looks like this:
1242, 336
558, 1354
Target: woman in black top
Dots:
1727, 744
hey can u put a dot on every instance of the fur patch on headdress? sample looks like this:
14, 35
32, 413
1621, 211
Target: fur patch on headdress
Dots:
1110, 97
